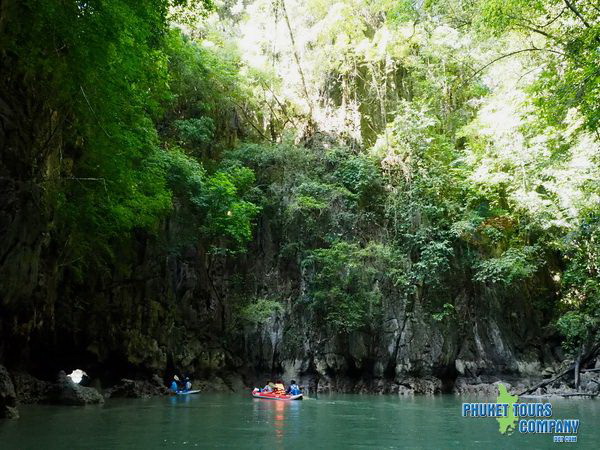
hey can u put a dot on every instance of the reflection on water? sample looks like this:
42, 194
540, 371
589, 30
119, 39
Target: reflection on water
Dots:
180, 399
281, 417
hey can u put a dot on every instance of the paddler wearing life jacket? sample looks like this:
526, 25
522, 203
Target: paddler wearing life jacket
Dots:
279, 387
293, 388
269, 387
174, 384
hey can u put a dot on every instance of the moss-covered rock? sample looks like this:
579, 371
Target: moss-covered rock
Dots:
8, 397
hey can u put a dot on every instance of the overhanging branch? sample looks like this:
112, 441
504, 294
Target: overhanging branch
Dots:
516, 52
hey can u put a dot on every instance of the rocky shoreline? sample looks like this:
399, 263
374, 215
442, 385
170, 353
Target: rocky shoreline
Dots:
20, 388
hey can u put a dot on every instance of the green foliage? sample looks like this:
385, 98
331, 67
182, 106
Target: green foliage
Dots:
568, 52
345, 284
578, 328
580, 301
314, 198
116, 75
361, 176
227, 214
499, 15
260, 310
317, 205
448, 310
426, 196
515, 264
207, 88
214, 205
195, 132
99, 65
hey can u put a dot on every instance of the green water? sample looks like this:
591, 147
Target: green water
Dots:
238, 421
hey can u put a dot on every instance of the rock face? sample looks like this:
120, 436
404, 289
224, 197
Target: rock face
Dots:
127, 388
177, 312
8, 397
590, 382
69, 393
410, 353
31, 390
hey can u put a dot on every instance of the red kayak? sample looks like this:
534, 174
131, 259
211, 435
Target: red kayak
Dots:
275, 396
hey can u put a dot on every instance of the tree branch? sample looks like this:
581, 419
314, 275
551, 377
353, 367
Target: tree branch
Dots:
554, 19
577, 13
80, 179
94, 112
251, 122
297, 58
281, 106
542, 32
516, 52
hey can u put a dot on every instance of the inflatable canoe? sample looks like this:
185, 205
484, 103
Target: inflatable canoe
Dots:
197, 391
274, 396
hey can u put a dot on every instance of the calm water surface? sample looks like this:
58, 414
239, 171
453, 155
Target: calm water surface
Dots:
238, 421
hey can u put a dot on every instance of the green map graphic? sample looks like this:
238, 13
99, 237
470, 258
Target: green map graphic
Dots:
507, 424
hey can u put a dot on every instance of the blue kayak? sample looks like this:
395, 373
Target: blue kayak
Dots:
197, 391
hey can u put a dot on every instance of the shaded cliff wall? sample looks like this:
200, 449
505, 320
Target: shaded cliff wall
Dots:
168, 312
492, 332
128, 315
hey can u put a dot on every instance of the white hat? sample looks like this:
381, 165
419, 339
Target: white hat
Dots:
176, 378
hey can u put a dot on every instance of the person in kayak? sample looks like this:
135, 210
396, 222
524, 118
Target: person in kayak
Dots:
174, 384
269, 387
293, 388
188, 384
279, 387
